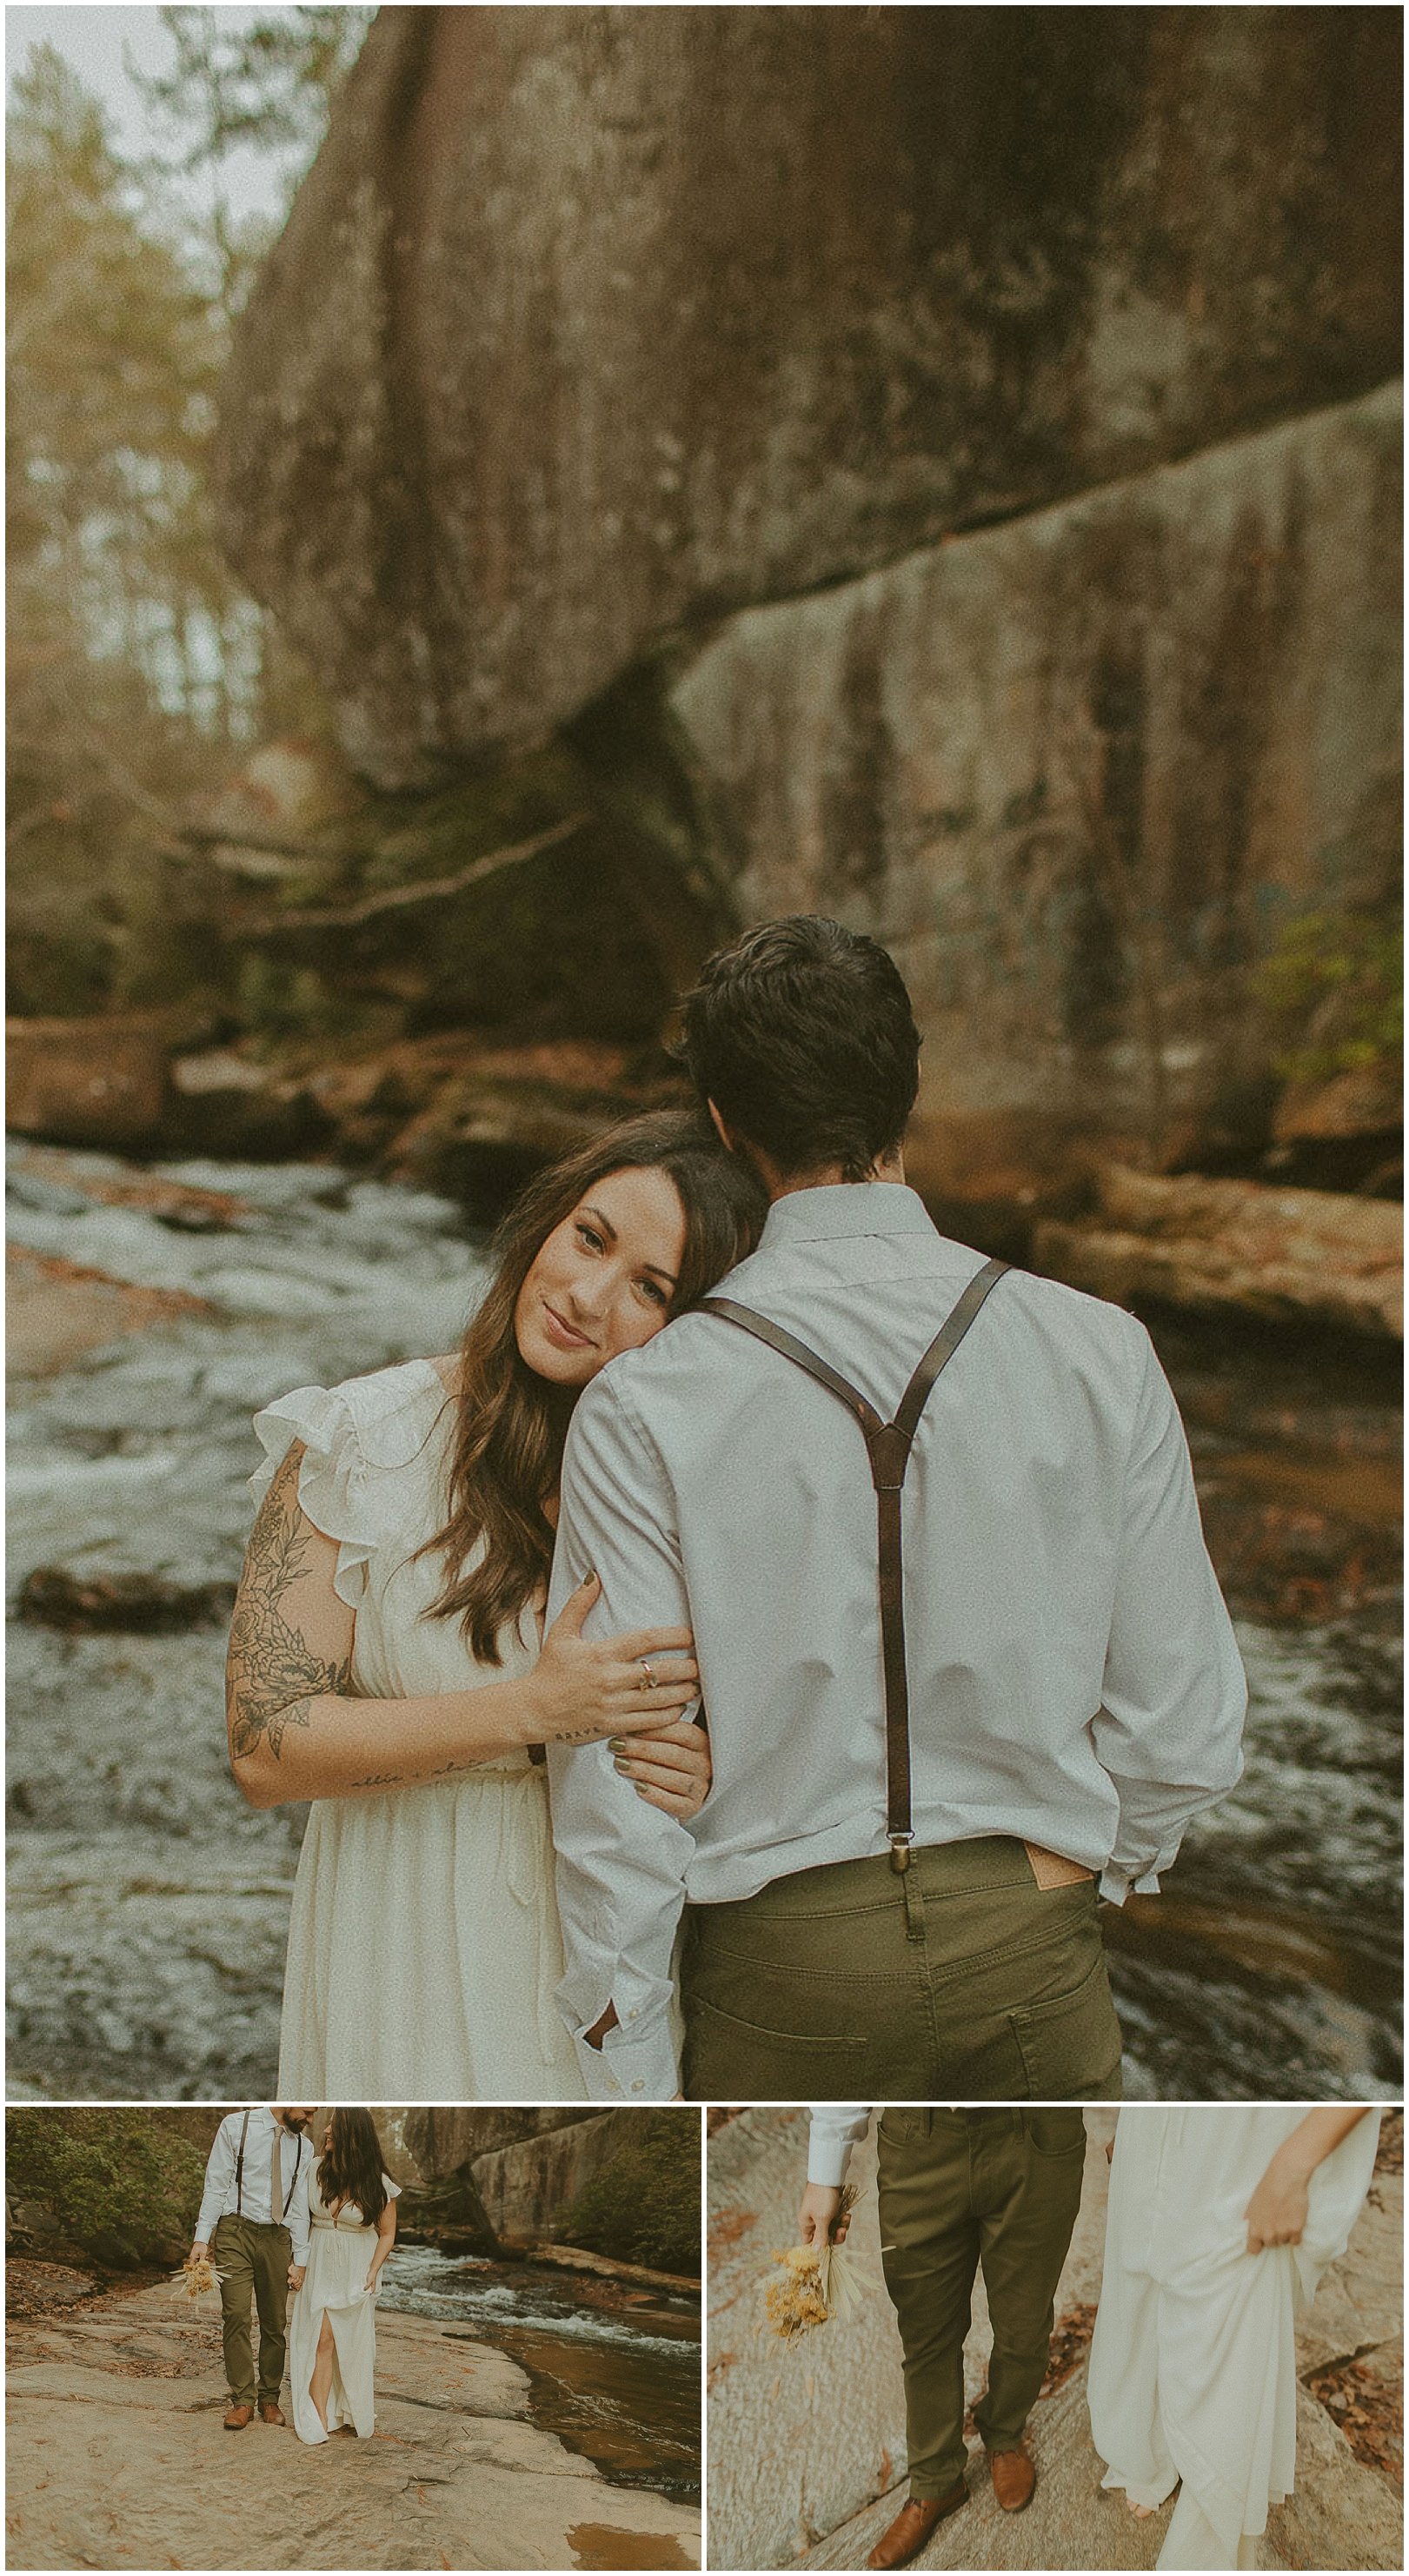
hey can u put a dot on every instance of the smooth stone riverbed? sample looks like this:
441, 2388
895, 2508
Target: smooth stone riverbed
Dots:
116, 2457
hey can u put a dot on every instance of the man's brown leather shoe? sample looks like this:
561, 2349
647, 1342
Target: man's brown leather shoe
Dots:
238, 2418
269, 2412
1014, 2478
913, 2526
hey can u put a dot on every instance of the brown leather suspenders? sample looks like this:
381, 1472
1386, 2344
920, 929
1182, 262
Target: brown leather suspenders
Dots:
240, 2174
888, 1446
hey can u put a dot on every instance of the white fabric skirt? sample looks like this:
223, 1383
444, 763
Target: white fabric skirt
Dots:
1192, 2374
424, 1949
334, 2286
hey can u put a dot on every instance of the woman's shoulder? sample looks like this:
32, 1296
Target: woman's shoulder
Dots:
382, 1419
366, 1442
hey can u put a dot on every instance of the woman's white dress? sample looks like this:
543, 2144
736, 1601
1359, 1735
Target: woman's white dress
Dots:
340, 2251
424, 1947
1193, 2361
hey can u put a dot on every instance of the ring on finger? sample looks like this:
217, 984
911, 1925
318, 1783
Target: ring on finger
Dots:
648, 1681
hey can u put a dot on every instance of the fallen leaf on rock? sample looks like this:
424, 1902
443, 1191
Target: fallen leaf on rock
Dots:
1369, 2410
727, 2228
1070, 2338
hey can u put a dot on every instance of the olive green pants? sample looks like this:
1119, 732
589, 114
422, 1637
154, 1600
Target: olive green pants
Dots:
960, 1980
253, 2261
959, 2189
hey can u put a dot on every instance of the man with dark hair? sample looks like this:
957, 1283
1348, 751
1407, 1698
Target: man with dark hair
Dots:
933, 1526
802, 1041
254, 2221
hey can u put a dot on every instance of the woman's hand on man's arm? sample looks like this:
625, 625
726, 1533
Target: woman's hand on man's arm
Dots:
297, 1730
585, 1690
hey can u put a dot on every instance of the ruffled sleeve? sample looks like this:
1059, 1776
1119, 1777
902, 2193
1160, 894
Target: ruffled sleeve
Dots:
352, 1435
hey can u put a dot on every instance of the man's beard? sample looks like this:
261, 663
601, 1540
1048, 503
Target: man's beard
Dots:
296, 2125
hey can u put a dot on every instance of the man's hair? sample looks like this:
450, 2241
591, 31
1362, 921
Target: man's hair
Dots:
802, 1035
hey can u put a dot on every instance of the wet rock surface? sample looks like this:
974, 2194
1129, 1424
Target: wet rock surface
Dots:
148, 1904
1318, 1256
1076, 771
60, 1083
135, 1604
807, 2450
116, 2452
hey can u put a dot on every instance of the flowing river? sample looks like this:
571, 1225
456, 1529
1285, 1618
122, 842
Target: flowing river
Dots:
614, 2368
148, 1905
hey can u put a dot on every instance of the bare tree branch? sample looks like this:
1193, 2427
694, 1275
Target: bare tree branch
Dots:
349, 916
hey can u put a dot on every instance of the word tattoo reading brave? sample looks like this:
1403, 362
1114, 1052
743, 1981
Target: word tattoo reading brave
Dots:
274, 1675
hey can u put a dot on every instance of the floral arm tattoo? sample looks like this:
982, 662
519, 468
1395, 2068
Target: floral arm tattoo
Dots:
273, 1674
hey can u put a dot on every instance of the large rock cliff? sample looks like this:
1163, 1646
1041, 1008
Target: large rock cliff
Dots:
934, 465
506, 2178
590, 324
1077, 772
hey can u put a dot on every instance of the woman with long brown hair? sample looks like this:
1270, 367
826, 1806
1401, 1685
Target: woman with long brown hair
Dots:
352, 2228
385, 1660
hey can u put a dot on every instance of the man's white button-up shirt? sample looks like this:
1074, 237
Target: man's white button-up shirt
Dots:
221, 2196
1074, 1679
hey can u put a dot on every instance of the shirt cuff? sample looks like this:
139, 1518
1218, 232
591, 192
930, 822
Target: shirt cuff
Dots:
827, 2160
630, 2069
1117, 1883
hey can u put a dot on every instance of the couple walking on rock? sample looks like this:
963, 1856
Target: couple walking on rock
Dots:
1220, 2221
278, 2220
734, 1429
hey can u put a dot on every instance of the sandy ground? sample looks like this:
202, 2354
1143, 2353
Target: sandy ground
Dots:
807, 2449
117, 2457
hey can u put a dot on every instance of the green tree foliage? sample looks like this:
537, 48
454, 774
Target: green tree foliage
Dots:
135, 662
112, 364
1334, 987
644, 2204
270, 85
128, 2177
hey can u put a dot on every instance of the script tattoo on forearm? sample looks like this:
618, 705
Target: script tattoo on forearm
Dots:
273, 1674
401, 1779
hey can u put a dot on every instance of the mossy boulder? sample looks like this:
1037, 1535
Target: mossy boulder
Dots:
644, 2204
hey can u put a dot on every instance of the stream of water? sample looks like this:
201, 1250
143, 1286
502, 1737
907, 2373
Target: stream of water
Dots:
148, 1905
614, 2368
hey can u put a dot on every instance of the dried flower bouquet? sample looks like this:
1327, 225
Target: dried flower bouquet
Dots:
808, 2285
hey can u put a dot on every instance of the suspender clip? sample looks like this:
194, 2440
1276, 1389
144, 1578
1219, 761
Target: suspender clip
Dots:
900, 1851
889, 1452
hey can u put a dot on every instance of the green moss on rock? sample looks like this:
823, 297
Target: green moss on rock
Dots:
644, 2204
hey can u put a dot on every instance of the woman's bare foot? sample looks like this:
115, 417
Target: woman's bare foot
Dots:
1142, 2512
